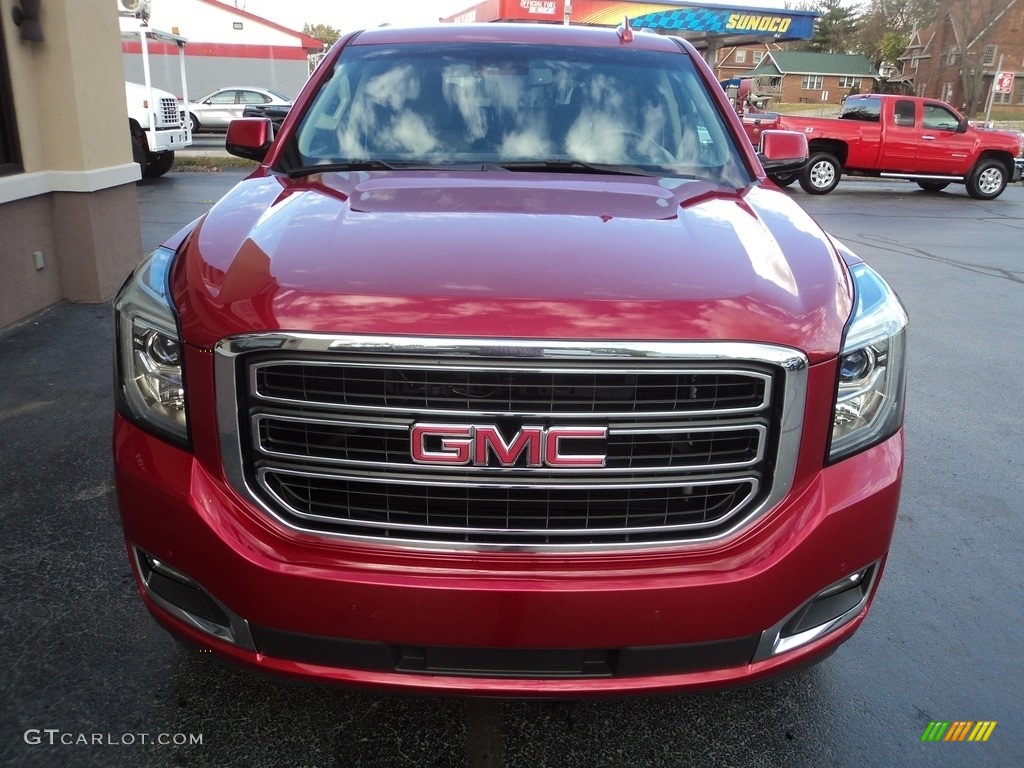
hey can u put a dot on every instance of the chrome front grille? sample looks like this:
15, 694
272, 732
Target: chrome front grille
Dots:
693, 439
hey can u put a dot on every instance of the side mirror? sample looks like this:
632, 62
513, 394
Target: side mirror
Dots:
249, 137
783, 151
962, 127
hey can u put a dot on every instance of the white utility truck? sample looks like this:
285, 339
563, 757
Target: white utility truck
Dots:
156, 118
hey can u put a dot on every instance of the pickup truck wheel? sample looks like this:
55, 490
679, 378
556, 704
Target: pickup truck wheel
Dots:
821, 174
158, 165
784, 179
933, 186
195, 122
987, 181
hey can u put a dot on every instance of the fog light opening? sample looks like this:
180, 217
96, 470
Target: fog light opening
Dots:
831, 608
184, 598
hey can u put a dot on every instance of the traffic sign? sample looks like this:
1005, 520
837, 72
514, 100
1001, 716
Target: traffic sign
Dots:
1004, 82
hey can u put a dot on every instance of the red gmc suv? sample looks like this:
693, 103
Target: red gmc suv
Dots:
508, 373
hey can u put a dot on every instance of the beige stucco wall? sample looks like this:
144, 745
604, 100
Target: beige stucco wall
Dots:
68, 89
76, 201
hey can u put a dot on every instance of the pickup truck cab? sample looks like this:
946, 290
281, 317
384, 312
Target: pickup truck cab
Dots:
903, 137
507, 373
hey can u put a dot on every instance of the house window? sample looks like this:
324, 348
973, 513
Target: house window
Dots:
952, 57
741, 57
947, 92
1002, 98
758, 55
990, 56
811, 83
1020, 93
1015, 20
846, 81
10, 151
922, 89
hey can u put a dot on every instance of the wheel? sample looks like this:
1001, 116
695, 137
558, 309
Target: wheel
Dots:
987, 181
821, 174
784, 179
158, 165
195, 122
933, 186
139, 149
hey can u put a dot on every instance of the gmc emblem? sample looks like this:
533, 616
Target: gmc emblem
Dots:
459, 445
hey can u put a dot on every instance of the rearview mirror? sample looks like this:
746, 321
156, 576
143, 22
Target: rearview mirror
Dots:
783, 151
249, 137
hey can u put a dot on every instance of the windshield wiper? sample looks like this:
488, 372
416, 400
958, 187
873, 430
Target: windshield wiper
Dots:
573, 166
349, 165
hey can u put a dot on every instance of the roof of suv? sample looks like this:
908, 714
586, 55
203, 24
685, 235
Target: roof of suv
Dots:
552, 34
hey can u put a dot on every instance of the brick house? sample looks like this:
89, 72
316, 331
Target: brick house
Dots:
932, 63
733, 61
802, 77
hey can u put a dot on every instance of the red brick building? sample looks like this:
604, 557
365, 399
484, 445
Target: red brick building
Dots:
803, 77
940, 59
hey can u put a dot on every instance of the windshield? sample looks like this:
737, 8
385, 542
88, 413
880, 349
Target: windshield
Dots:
515, 106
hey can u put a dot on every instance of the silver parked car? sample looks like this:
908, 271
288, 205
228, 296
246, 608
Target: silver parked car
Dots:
214, 111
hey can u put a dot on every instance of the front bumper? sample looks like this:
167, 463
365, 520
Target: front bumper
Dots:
503, 624
169, 140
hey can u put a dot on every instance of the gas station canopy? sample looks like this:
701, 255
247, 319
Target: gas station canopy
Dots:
706, 25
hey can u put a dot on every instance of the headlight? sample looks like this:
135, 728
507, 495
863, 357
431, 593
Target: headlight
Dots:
150, 387
872, 376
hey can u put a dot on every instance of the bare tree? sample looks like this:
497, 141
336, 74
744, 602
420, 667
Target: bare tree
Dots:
885, 27
974, 22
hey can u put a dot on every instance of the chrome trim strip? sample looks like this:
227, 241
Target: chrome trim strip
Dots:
920, 176
236, 634
513, 349
791, 362
771, 644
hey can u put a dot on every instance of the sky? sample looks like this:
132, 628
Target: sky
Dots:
347, 15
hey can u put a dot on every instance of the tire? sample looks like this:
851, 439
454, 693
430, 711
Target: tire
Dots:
158, 165
933, 186
195, 122
988, 180
139, 150
821, 174
784, 179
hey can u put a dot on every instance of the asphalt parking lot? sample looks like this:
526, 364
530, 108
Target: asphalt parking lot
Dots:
82, 659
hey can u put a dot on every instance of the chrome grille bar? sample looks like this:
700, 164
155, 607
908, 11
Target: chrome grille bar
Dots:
362, 386
316, 435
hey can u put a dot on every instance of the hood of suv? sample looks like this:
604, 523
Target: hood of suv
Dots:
511, 255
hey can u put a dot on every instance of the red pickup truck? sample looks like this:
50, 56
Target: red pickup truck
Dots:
507, 372
899, 137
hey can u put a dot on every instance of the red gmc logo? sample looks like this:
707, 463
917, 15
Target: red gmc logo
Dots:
457, 444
